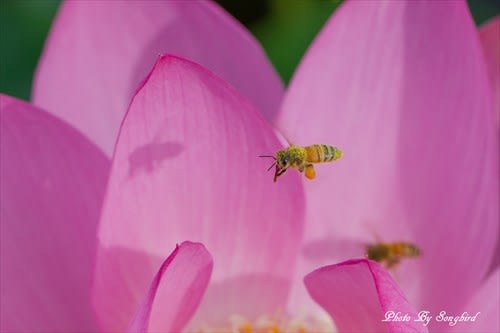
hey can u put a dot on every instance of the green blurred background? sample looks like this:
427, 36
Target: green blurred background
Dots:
284, 27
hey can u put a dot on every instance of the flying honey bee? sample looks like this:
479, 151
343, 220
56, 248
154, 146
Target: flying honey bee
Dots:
303, 158
390, 254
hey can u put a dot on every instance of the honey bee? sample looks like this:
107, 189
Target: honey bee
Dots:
390, 254
303, 158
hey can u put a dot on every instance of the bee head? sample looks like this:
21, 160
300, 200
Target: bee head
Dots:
284, 159
283, 162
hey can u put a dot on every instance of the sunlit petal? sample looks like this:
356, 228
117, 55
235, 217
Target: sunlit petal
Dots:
402, 88
186, 166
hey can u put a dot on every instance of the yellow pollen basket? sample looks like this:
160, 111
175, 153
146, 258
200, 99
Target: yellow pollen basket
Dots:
310, 172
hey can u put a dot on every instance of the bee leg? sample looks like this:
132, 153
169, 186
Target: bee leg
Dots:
310, 172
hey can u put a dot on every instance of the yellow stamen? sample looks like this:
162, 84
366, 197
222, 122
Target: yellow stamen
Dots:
246, 328
267, 324
274, 329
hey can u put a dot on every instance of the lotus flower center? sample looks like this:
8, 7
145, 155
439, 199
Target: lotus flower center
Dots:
238, 324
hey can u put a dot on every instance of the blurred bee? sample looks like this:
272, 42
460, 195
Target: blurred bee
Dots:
390, 254
303, 158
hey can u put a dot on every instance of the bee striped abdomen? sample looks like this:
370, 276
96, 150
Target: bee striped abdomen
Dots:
405, 249
322, 153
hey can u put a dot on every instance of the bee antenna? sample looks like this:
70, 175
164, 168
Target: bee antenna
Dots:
274, 158
271, 166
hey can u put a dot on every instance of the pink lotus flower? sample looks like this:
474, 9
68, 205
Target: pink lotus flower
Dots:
402, 87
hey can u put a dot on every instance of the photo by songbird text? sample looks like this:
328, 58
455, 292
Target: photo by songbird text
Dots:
425, 317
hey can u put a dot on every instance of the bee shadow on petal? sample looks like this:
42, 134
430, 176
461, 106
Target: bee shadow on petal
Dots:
149, 157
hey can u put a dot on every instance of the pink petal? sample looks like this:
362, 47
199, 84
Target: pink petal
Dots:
486, 301
402, 88
176, 290
110, 46
489, 34
186, 167
51, 189
359, 295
